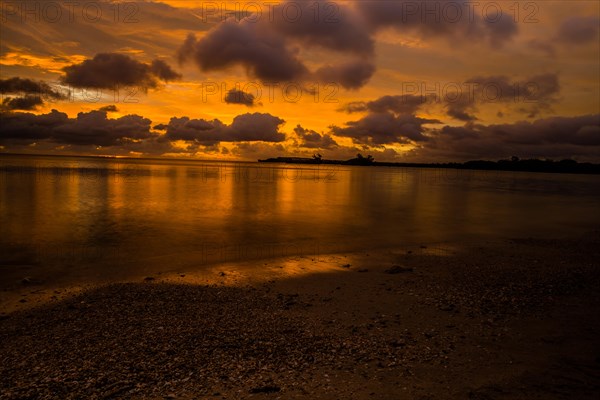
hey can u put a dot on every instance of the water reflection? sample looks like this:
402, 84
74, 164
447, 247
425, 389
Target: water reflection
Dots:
81, 218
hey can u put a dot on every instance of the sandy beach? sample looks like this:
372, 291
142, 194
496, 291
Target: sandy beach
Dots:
515, 319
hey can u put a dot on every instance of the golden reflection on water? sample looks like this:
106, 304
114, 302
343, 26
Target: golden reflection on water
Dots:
86, 220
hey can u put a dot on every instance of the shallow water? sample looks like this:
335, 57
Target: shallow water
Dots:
87, 218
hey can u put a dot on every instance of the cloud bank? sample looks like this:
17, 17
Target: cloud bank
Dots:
555, 137
91, 128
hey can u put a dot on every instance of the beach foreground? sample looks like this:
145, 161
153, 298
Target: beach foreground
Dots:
510, 320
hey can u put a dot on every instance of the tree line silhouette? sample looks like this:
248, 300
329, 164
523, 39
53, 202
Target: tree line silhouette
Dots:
512, 164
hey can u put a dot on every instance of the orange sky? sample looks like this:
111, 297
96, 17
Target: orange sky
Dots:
415, 57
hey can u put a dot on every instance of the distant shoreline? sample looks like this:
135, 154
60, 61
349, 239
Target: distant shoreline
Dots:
530, 165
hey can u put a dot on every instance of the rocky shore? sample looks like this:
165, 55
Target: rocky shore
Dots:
513, 320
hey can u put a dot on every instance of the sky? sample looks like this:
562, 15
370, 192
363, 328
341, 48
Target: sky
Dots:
405, 81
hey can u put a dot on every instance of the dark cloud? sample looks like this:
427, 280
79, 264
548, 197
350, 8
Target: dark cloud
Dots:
255, 150
536, 88
27, 126
262, 53
27, 102
399, 104
32, 94
323, 23
110, 70
235, 96
245, 127
18, 85
200, 130
110, 108
554, 137
389, 119
269, 49
541, 88
449, 19
314, 140
533, 95
256, 127
579, 30
354, 107
462, 108
95, 128
351, 75
163, 71
501, 30
582, 131
385, 128
91, 128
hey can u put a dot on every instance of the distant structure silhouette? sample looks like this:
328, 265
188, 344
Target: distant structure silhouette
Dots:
567, 166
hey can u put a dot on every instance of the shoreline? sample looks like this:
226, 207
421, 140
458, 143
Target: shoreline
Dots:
507, 320
38, 290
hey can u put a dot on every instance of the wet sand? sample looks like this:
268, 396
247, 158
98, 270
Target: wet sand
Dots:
505, 320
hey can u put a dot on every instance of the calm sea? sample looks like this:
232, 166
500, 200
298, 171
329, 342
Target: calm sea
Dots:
81, 218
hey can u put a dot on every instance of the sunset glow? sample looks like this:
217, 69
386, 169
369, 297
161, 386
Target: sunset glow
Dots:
398, 80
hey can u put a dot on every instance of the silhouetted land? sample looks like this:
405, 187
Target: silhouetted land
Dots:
514, 164
566, 166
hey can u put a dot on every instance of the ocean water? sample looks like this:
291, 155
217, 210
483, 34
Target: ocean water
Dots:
87, 218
